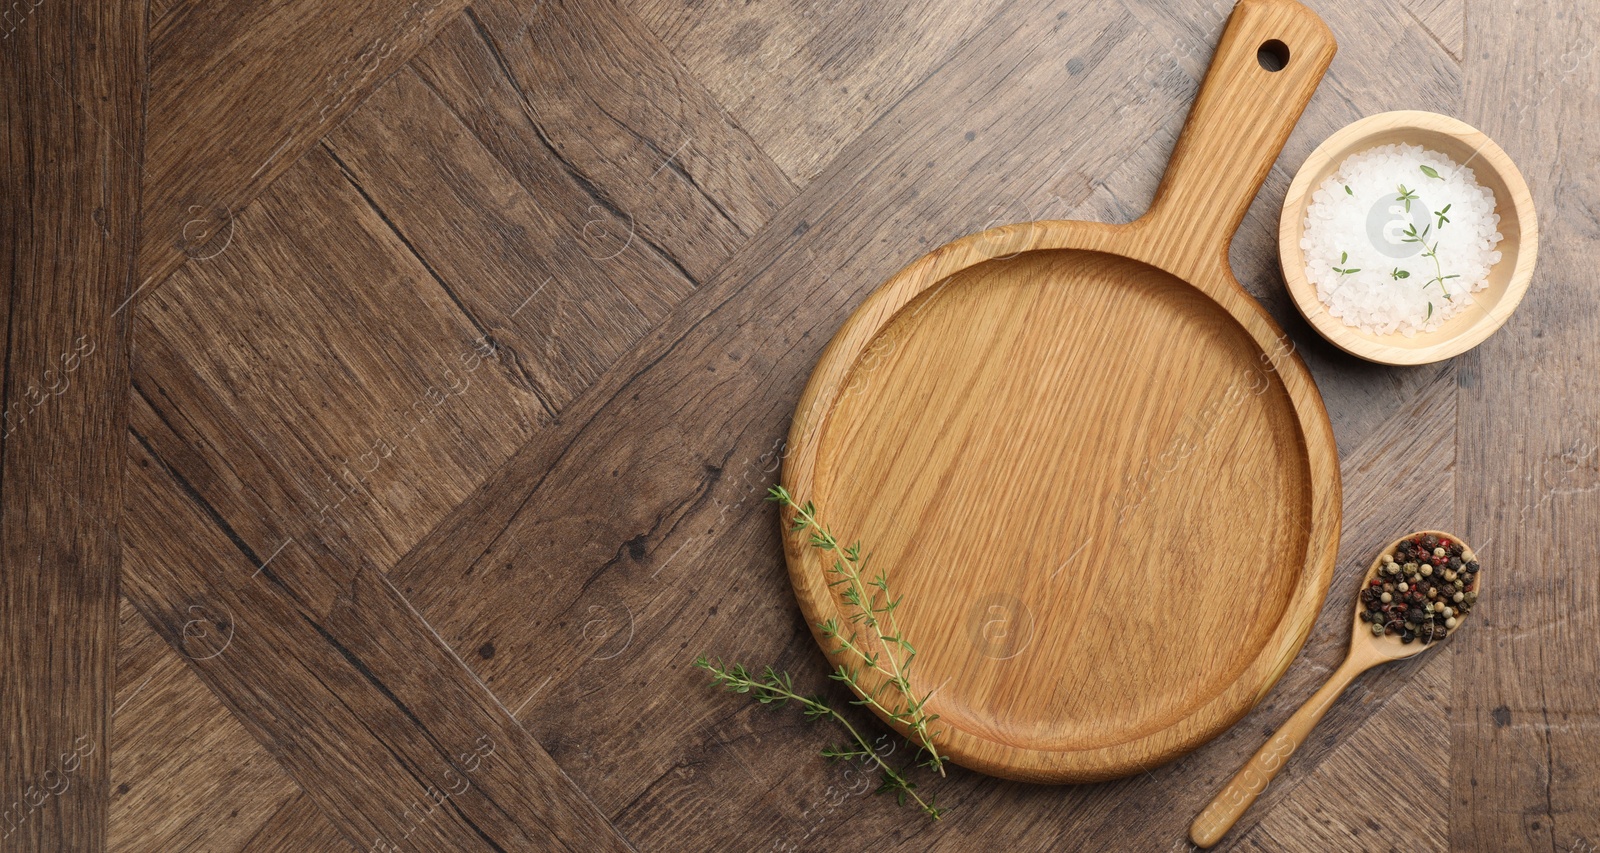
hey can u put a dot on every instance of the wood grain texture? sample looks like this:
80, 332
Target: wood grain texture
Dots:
726, 511
361, 704
240, 351
624, 113
577, 629
267, 500
1388, 476
972, 411
807, 77
73, 101
555, 317
243, 467
239, 91
562, 251
1445, 20
1526, 714
1326, 812
298, 826
786, 271
185, 774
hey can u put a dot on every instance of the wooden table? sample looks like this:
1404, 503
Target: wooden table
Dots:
464, 337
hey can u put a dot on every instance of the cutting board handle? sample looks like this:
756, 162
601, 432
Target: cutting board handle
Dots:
1238, 124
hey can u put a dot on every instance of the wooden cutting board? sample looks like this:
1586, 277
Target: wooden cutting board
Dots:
1093, 466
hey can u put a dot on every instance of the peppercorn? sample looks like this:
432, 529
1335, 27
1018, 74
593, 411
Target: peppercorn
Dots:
1420, 590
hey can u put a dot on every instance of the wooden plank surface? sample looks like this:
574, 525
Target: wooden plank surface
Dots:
629, 117
185, 774
1327, 812
298, 825
360, 703
73, 103
479, 324
239, 90
807, 77
458, 304
1526, 727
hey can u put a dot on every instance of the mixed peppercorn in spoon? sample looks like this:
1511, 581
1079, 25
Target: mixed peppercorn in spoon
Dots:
1422, 590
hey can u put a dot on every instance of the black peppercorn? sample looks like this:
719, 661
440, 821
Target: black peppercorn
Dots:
1422, 604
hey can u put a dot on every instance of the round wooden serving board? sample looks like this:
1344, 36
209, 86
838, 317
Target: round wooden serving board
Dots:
1093, 466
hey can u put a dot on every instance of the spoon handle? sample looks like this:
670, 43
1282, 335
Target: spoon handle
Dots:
1257, 773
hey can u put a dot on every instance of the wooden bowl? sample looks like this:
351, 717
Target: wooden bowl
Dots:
1508, 279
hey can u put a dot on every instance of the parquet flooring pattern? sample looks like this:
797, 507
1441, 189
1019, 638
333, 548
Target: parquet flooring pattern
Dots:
454, 346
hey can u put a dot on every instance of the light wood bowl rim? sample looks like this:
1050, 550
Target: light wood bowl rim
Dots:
1450, 340
1214, 280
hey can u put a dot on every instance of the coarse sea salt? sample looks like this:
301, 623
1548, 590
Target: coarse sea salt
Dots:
1398, 238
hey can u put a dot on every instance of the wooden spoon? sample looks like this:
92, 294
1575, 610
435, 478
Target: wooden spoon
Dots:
1366, 652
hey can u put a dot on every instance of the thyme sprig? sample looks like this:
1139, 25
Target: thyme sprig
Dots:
874, 611
775, 689
1406, 196
871, 636
1432, 252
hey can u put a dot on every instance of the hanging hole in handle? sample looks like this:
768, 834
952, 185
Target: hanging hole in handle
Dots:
1273, 55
